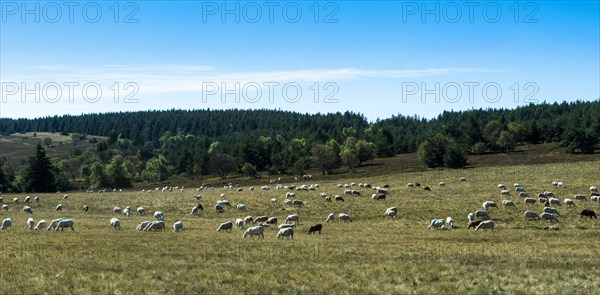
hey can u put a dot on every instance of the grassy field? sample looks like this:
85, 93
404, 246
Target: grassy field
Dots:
372, 255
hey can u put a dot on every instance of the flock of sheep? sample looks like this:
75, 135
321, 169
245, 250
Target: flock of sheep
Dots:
479, 219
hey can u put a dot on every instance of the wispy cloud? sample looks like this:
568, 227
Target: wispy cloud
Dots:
190, 78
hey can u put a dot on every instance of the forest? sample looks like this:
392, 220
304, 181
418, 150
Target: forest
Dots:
153, 146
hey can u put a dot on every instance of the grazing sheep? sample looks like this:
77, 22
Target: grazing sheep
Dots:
315, 228
65, 223
6, 223
581, 197
30, 223
505, 192
427, 188
286, 232
239, 223
530, 201
410, 185
589, 213
5, 207
159, 215
339, 198
143, 224
551, 210
450, 222
560, 184
441, 183
273, 201
116, 223
531, 215
552, 227
330, 218
196, 208
284, 225
219, 208
297, 203
117, 210
224, 203
198, 197
549, 216
16, 200
261, 218
554, 201
27, 199
508, 203
86, 208
65, 197
483, 214
254, 231
462, 179
523, 195
126, 211
141, 211
471, 216
242, 207
473, 224
272, 220
392, 214
569, 202
379, 197
59, 207
501, 186
488, 224
177, 226
382, 191
593, 189
155, 225
40, 225
437, 223
294, 218
344, 217
248, 219
488, 204
520, 189
27, 209
549, 194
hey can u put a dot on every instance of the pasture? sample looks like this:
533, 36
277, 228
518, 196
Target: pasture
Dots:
371, 255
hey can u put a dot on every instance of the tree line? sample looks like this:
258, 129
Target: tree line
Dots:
154, 146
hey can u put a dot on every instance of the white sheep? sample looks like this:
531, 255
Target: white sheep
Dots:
501, 186
254, 231
239, 223
143, 224
65, 197
37, 199
441, 183
483, 214
117, 210
116, 223
530, 201
551, 210
5, 207
508, 203
59, 207
177, 226
344, 217
437, 223
580, 197
16, 200
242, 207
523, 195
294, 218
488, 204
273, 201
549, 216
155, 225
285, 225
65, 223
330, 218
569, 202
159, 215
593, 189
286, 232
41, 224
471, 216
488, 224
554, 201
27, 209
505, 192
531, 215
297, 203
248, 219
450, 222
6, 223
27, 199
225, 226
30, 223
391, 213
141, 210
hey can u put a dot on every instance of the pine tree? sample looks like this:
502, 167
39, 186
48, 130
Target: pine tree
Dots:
38, 176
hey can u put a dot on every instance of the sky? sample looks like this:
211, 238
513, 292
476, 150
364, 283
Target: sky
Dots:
378, 58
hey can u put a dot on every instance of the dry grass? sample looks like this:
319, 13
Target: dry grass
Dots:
371, 255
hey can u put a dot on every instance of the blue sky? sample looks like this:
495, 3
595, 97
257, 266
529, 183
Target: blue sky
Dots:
379, 58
